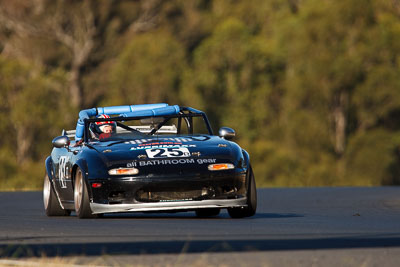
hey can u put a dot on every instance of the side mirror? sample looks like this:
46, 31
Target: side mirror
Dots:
61, 141
226, 133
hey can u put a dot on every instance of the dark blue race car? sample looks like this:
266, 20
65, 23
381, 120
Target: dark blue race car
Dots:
147, 158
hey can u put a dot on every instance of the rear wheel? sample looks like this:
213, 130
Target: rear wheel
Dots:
209, 212
250, 210
81, 197
50, 201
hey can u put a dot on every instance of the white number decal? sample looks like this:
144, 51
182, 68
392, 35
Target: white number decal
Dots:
63, 171
178, 152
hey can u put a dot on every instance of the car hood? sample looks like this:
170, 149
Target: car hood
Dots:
199, 146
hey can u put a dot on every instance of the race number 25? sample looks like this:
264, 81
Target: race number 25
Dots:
177, 152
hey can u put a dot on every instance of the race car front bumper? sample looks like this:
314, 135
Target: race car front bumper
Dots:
169, 192
169, 206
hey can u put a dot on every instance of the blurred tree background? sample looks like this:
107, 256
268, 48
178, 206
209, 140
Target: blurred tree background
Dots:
311, 86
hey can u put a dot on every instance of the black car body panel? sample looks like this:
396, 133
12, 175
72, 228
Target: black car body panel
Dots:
173, 169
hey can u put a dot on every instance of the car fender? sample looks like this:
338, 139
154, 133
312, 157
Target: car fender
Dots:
238, 155
94, 164
247, 162
49, 171
82, 164
246, 157
49, 168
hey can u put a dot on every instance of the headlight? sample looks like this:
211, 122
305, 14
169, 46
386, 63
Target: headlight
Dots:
123, 171
220, 166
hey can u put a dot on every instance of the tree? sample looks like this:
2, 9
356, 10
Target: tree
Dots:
147, 70
76, 27
340, 82
32, 111
69, 23
232, 78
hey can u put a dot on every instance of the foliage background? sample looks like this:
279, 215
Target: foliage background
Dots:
311, 86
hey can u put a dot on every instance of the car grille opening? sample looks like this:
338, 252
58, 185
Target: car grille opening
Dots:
145, 195
116, 197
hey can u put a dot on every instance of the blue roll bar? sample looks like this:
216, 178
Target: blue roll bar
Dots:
126, 111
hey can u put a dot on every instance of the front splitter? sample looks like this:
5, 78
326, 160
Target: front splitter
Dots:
167, 206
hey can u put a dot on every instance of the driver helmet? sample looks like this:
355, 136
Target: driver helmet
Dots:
100, 127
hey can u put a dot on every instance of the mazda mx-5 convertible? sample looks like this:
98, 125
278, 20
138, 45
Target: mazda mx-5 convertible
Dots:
147, 158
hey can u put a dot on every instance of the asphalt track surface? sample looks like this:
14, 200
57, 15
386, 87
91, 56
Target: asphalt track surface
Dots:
287, 220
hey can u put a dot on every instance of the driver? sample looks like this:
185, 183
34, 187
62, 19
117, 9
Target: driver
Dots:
103, 129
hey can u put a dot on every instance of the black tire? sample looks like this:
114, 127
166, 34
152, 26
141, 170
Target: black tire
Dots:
250, 210
51, 205
209, 212
81, 197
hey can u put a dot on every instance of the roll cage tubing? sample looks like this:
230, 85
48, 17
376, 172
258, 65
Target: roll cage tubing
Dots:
186, 116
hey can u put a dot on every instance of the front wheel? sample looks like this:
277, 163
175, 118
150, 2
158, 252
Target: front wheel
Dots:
81, 197
50, 201
250, 210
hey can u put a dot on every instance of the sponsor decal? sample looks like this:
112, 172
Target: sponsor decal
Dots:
200, 138
177, 140
158, 162
175, 200
161, 143
160, 146
206, 161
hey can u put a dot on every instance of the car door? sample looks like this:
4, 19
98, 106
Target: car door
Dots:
63, 174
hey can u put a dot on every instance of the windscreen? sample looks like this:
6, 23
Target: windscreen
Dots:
128, 129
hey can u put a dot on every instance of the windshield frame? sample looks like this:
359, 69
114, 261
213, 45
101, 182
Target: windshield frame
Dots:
185, 116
